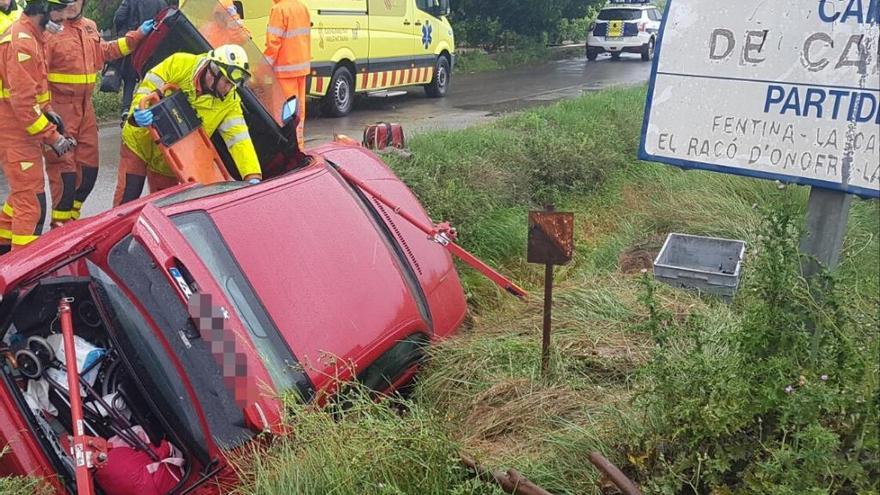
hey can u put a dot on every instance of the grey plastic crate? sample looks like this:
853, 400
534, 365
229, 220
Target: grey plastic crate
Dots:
705, 264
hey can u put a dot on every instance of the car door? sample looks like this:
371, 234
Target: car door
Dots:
391, 44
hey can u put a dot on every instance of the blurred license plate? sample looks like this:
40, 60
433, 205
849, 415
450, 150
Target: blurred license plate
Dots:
613, 38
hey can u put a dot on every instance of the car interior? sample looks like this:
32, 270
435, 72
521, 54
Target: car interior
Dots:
119, 405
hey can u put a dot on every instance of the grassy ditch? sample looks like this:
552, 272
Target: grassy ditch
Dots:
687, 394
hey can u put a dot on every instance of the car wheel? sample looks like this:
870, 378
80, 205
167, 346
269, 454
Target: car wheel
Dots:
340, 95
592, 54
648, 51
438, 87
615, 55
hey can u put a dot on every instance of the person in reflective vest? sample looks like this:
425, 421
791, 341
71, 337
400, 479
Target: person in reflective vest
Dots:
209, 81
75, 56
27, 122
9, 13
289, 52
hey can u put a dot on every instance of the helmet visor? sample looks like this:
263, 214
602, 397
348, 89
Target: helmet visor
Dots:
236, 75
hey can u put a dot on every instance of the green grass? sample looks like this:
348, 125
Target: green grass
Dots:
391, 448
472, 61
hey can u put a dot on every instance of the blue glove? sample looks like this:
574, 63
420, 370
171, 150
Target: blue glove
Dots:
253, 181
143, 118
147, 27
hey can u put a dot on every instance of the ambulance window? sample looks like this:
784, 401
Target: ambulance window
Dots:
389, 8
427, 5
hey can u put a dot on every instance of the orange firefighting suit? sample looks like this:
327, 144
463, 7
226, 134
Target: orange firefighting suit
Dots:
289, 51
24, 99
140, 156
75, 56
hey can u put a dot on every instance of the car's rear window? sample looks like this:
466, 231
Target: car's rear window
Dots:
620, 15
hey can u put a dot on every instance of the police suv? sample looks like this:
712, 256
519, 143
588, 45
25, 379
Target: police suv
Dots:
630, 26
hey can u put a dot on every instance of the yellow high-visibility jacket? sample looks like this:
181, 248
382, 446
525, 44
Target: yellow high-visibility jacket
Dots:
6, 19
224, 116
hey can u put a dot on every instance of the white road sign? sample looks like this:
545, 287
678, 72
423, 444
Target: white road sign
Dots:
777, 90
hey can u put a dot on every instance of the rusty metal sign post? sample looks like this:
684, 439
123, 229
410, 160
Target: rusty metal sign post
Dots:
551, 242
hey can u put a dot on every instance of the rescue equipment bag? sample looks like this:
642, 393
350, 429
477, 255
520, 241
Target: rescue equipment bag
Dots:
382, 135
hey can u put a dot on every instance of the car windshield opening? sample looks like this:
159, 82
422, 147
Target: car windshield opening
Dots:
620, 15
284, 370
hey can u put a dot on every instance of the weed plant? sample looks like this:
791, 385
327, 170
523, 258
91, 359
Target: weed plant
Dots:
782, 401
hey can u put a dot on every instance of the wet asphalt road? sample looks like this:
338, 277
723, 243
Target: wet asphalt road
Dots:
472, 99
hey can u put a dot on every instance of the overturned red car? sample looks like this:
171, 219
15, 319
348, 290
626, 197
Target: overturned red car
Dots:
195, 308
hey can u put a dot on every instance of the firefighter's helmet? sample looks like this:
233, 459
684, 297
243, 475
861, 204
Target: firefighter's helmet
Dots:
232, 61
35, 7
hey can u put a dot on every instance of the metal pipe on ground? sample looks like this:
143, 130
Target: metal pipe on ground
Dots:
511, 482
626, 486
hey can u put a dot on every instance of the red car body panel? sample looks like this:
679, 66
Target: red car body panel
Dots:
330, 271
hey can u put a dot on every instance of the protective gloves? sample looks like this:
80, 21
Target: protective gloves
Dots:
143, 117
62, 145
147, 27
55, 119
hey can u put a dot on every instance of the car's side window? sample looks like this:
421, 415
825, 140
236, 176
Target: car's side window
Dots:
655, 15
390, 366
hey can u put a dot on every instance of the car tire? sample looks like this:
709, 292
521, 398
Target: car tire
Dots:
592, 55
438, 86
339, 99
615, 55
648, 51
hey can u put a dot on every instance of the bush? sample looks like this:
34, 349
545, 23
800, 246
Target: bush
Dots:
781, 401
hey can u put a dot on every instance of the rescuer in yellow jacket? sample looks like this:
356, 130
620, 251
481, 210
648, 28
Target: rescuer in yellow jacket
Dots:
289, 51
9, 13
209, 81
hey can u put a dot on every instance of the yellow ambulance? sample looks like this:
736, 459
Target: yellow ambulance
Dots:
369, 46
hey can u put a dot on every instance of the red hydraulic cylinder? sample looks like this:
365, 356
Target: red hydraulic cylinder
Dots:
81, 447
443, 234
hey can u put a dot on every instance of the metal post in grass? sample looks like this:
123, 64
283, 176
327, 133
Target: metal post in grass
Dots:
827, 217
551, 242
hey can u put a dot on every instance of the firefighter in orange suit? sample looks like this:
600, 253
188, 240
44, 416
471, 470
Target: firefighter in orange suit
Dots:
75, 56
226, 27
27, 122
289, 51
